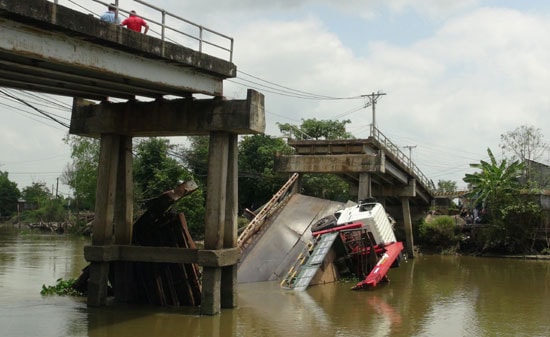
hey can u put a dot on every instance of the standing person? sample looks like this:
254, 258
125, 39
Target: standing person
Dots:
111, 15
135, 23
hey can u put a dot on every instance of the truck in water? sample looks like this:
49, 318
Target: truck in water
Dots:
358, 241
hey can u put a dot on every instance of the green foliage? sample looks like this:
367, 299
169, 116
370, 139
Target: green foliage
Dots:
37, 195
52, 210
195, 157
9, 193
61, 288
317, 129
81, 174
157, 171
258, 180
514, 218
44, 207
194, 208
439, 233
325, 186
494, 183
446, 186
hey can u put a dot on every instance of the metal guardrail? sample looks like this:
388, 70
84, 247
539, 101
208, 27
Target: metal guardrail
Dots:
278, 200
200, 37
401, 157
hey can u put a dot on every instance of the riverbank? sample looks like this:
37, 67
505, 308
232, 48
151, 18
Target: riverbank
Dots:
522, 257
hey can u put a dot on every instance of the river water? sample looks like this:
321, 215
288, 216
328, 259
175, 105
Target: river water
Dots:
427, 296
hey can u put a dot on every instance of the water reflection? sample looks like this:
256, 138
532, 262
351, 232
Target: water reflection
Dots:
427, 296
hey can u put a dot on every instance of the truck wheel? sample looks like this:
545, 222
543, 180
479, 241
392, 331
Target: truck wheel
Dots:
326, 222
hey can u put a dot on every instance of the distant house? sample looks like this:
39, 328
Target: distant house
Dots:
539, 173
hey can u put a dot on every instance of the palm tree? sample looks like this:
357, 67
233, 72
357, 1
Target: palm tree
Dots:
494, 183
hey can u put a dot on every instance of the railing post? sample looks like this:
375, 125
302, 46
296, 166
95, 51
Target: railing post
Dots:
200, 39
116, 11
163, 25
231, 51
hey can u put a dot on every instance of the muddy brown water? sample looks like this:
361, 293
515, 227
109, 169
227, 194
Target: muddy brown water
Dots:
427, 296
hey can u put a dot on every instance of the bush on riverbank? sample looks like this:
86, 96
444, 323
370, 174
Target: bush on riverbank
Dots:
439, 234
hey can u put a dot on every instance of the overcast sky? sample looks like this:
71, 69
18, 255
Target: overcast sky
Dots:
456, 74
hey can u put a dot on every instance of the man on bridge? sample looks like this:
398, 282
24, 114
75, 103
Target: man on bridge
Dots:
134, 22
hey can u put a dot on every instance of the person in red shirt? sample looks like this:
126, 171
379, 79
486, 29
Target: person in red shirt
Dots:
135, 23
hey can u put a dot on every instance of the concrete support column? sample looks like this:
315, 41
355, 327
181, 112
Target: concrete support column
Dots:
104, 209
364, 190
216, 190
123, 286
407, 223
230, 236
124, 201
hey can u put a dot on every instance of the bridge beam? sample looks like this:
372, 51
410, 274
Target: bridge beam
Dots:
342, 163
169, 117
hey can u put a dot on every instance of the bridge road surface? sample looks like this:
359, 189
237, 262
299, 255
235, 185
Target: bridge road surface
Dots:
282, 239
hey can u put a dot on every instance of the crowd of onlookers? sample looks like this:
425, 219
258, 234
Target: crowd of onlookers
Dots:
475, 216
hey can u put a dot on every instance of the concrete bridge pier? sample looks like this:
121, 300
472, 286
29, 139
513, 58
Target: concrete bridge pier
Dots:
115, 124
115, 161
365, 188
407, 224
219, 283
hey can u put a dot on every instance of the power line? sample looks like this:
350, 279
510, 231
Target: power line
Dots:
47, 115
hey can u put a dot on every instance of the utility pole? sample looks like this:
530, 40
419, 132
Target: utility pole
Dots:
373, 99
410, 147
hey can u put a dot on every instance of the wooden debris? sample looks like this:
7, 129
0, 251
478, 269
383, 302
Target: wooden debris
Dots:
164, 284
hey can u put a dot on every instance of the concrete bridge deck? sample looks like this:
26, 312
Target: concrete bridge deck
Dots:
52, 49
391, 175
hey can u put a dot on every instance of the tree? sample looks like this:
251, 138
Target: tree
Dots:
326, 186
258, 180
525, 144
446, 186
156, 171
494, 182
317, 129
81, 174
497, 186
195, 157
9, 194
44, 207
37, 195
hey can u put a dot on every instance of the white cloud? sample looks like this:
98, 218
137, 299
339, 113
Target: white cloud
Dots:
481, 71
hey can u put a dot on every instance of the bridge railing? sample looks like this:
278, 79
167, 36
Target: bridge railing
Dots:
167, 27
401, 157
